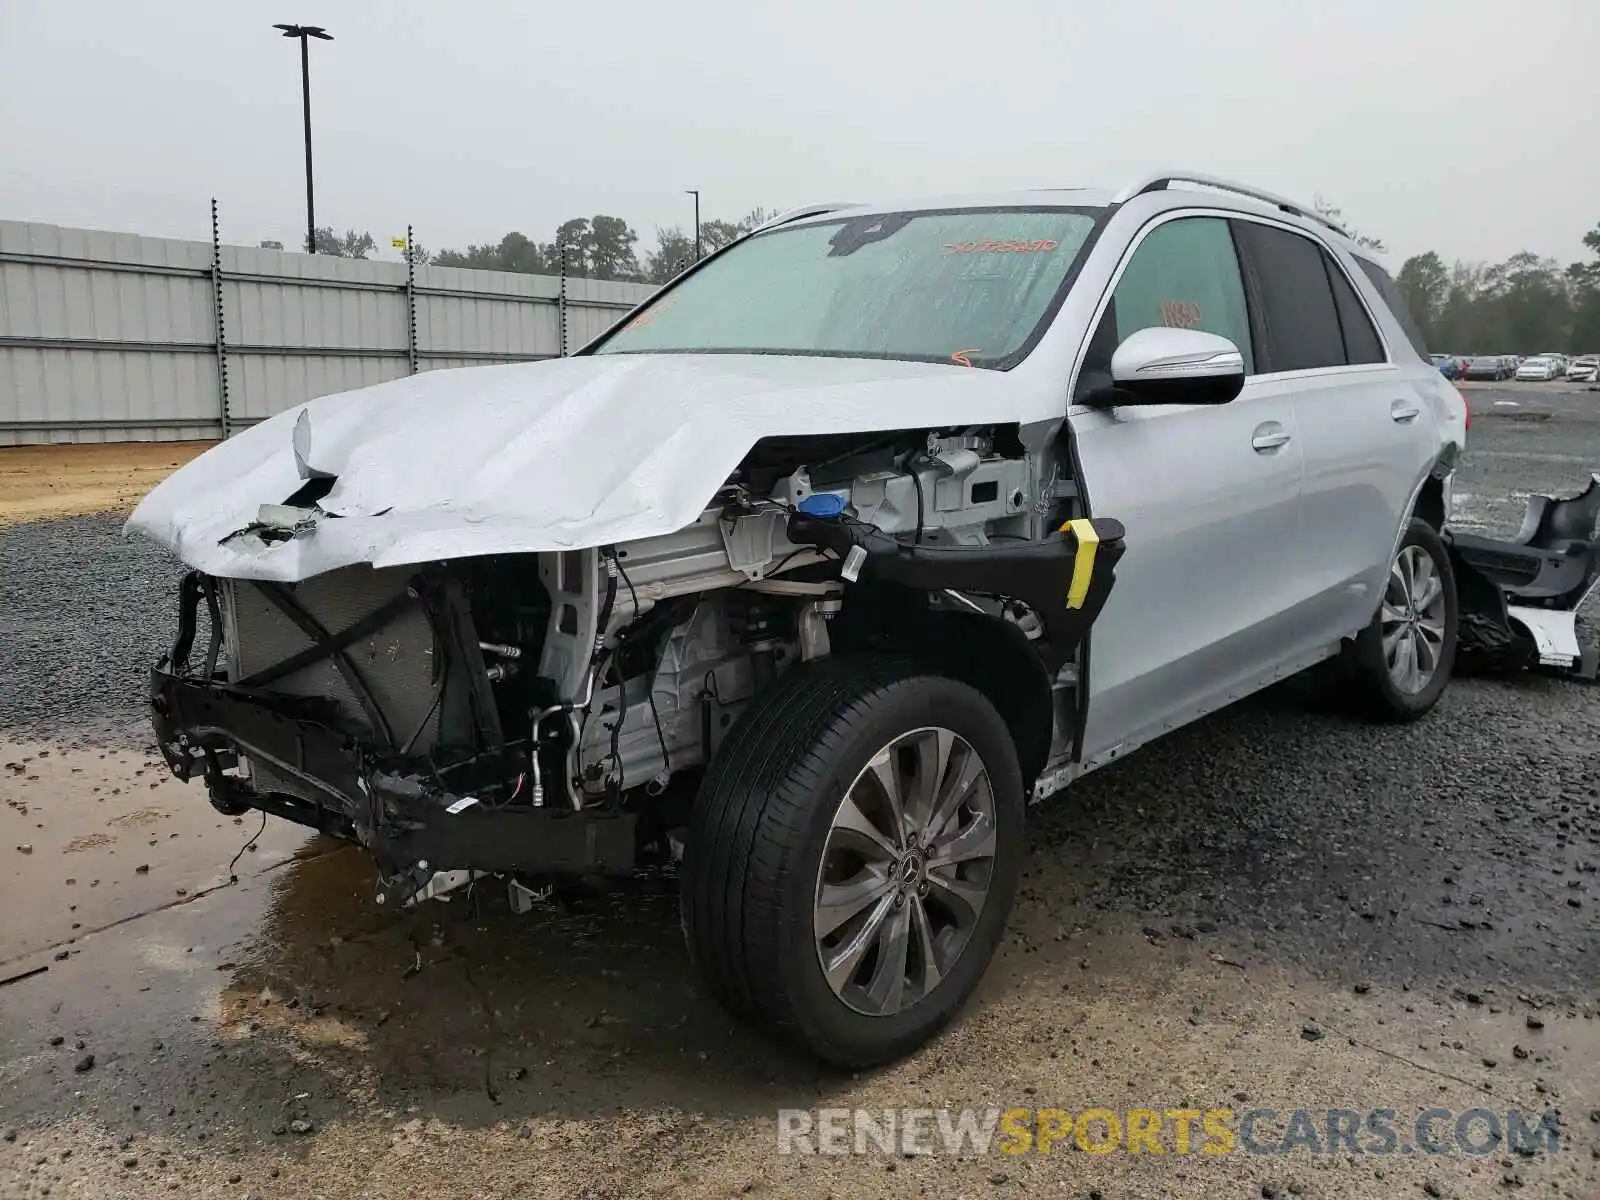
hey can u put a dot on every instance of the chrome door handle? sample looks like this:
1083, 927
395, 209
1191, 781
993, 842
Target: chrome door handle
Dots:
1403, 412
1269, 436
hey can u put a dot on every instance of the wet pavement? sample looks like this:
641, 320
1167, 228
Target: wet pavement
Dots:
1274, 908
98, 836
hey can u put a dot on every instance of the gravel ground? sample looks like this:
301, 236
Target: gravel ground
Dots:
1349, 847
1275, 906
84, 612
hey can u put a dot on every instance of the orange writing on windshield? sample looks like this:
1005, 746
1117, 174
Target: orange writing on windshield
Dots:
650, 314
1002, 246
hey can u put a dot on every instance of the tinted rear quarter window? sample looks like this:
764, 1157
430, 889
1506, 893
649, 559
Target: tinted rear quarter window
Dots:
1361, 341
1397, 305
1297, 309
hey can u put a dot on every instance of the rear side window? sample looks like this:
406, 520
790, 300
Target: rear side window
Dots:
1396, 302
1298, 314
1361, 341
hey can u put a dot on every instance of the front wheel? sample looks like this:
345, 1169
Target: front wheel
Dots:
1399, 665
853, 856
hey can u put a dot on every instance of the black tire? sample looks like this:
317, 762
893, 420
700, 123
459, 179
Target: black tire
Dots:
1485, 646
1369, 688
757, 838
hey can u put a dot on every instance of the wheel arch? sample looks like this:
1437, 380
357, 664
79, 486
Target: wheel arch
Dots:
985, 652
1431, 504
1431, 499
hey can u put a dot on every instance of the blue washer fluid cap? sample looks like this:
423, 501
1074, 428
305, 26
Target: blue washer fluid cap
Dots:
821, 504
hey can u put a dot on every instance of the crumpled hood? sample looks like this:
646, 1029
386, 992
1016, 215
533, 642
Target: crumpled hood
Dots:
554, 455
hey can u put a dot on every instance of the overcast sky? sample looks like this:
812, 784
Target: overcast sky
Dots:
1467, 126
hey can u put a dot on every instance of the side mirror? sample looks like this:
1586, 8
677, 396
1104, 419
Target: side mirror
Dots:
1175, 366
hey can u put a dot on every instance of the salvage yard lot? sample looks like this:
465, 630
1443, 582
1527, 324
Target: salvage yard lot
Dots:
1273, 908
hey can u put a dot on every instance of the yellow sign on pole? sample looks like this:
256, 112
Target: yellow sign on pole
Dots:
398, 243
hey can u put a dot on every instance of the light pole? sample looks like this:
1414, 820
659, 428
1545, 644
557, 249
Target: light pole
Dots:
695, 192
304, 33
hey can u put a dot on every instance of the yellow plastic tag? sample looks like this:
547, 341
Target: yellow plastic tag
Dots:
1083, 563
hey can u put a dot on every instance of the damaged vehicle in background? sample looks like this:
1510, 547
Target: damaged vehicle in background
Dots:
1584, 369
860, 535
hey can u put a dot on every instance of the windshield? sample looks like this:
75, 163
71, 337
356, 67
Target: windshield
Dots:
971, 287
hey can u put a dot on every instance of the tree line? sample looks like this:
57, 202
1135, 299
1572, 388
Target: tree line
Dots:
598, 247
1524, 305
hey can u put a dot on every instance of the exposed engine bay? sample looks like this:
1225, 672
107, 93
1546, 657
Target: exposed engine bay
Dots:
548, 713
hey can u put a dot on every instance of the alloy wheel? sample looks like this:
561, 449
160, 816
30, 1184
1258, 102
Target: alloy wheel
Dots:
1413, 620
905, 872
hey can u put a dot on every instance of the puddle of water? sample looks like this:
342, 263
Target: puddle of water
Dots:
90, 837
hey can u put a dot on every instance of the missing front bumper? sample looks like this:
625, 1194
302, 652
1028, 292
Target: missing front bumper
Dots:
419, 816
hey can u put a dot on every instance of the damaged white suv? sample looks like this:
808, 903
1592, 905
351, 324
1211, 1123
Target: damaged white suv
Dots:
860, 535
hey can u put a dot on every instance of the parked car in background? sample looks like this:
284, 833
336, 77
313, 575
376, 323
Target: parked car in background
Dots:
1585, 368
1559, 359
1450, 366
1538, 370
1486, 366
